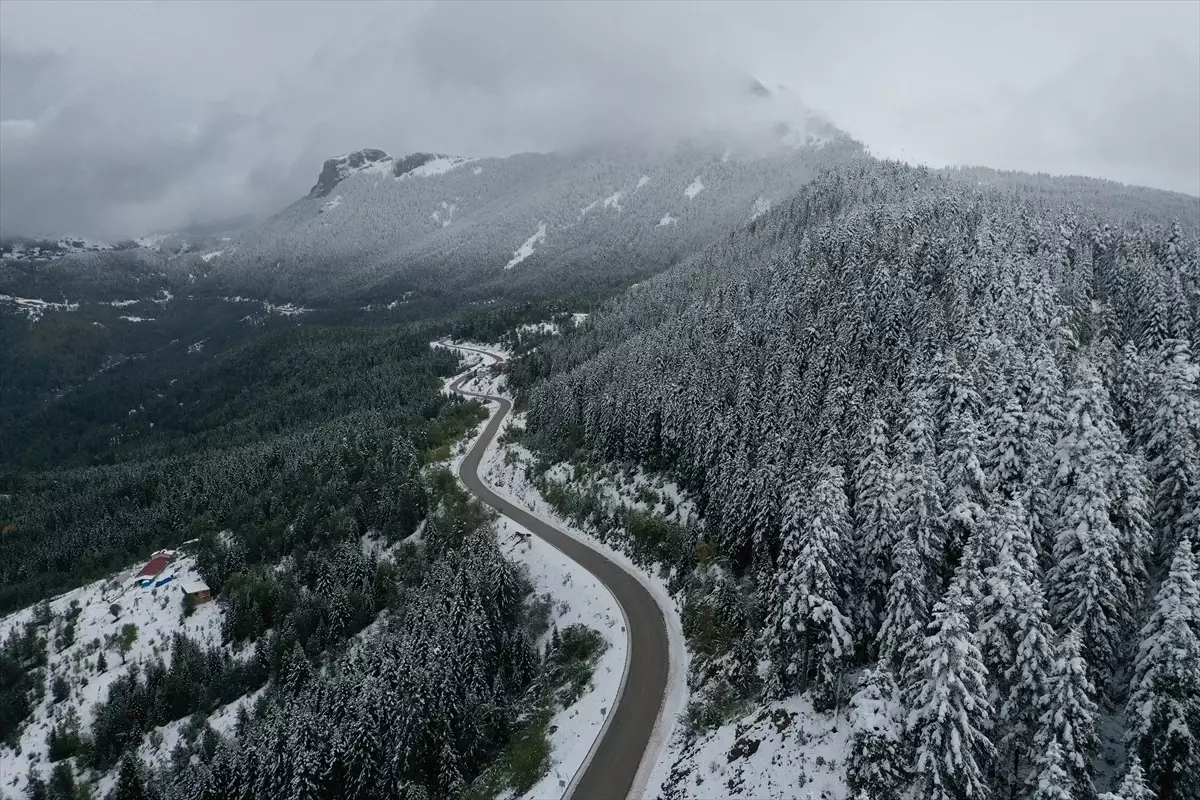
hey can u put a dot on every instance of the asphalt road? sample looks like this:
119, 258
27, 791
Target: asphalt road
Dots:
615, 762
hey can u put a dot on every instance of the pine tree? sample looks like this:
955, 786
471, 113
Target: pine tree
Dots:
1174, 446
1164, 698
812, 630
1015, 639
131, 785
1069, 714
876, 522
1053, 783
919, 490
900, 635
951, 717
1133, 786
1085, 584
876, 763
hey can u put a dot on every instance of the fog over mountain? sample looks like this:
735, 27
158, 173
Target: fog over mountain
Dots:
119, 120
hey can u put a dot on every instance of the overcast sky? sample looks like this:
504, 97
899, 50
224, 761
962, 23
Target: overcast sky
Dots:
126, 118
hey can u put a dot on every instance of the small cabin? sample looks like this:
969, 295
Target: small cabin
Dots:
197, 591
151, 572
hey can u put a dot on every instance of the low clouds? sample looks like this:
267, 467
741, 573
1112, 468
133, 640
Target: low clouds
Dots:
121, 119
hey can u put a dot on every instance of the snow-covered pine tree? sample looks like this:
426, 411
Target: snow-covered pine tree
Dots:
876, 522
1052, 781
876, 762
812, 633
919, 489
1133, 785
1174, 447
1164, 698
905, 614
967, 497
1015, 640
950, 718
1069, 714
1086, 590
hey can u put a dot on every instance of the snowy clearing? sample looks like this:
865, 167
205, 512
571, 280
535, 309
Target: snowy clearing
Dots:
614, 201
158, 615
761, 206
136, 319
694, 188
783, 750
665, 221
642, 181
526, 250
207, 257
34, 308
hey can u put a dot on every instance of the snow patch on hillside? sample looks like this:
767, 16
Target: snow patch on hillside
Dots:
124, 303
157, 613
665, 221
207, 257
583, 211
136, 319
614, 201
436, 166
784, 750
642, 181
761, 206
331, 204
694, 188
526, 250
35, 308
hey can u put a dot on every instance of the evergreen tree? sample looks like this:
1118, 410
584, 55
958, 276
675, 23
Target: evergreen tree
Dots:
1174, 446
950, 718
812, 634
1164, 698
877, 522
1069, 715
900, 635
1053, 783
1085, 584
876, 763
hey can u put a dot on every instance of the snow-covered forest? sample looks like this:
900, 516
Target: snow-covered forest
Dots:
945, 438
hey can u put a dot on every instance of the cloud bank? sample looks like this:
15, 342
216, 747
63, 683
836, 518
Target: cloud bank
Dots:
125, 118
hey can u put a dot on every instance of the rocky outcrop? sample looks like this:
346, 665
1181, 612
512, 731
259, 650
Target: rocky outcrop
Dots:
338, 169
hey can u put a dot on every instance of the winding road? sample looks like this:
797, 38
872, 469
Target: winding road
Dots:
613, 765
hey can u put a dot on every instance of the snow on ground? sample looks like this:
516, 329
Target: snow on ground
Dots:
207, 257
526, 250
578, 317
694, 188
196, 347
642, 181
157, 613
614, 201
166, 297
436, 166
761, 206
783, 750
539, 327
664, 222
123, 303
152, 241
331, 204
583, 211
136, 319
34, 308
286, 310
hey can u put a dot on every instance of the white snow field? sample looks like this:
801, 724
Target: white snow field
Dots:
158, 615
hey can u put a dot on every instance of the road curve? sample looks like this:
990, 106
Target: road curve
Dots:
614, 762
